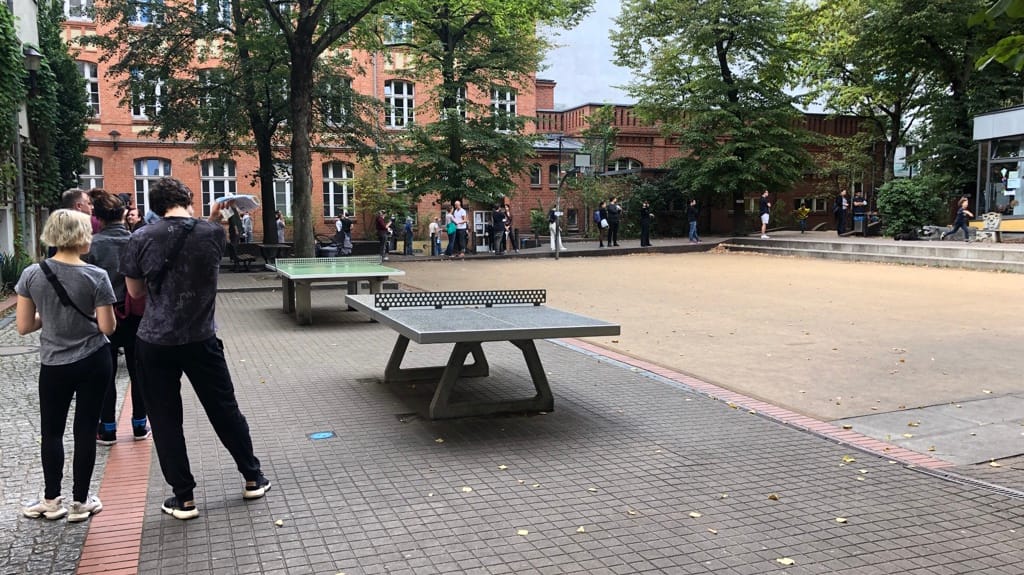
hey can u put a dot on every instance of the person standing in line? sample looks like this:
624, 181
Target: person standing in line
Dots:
381, 225
461, 229
175, 262
131, 219
860, 211
764, 209
74, 357
407, 236
840, 210
509, 230
801, 216
645, 224
692, 213
105, 253
555, 229
962, 213
345, 248
449, 230
614, 216
280, 227
246, 228
602, 223
435, 237
498, 227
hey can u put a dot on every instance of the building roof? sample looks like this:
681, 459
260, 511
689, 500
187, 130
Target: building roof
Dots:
549, 141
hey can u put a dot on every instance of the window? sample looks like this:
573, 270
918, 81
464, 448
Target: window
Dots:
147, 95
283, 189
572, 220
91, 174
395, 31
145, 10
503, 101
553, 176
218, 179
815, 204
535, 175
79, 9
147, 172
396, 178
624, 164
92, 86
215, 11
399, 101
337, 187
336, 102
460, 104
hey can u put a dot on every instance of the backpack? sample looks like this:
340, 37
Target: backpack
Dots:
597, 216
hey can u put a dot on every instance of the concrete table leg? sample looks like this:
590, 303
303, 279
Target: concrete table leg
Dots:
303, 305
288, 295
395, 373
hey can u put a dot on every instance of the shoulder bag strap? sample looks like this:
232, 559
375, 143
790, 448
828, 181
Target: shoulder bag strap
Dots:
62, 294
170, 256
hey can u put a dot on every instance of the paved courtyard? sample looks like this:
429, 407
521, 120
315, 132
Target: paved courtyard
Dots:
631, 473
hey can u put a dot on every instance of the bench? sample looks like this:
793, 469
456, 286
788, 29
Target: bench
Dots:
242, 256
991, 223
469, 319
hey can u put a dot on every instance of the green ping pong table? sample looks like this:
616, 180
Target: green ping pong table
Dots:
298, 274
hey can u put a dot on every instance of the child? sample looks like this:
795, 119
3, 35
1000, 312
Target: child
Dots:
801, 216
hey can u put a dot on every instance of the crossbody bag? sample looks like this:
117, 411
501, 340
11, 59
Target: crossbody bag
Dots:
62, 293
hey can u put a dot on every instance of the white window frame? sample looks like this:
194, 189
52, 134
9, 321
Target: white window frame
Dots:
535, 175
147, 172
339, 178
396, 184
283, 189
218, 179
337, 103
619, 164
79, 10
141, 108
223, 7
400, 101
503, 104
90, 73
91, 174
143, 15
396, 31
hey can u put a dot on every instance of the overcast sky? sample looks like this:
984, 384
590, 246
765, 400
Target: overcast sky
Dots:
583, 67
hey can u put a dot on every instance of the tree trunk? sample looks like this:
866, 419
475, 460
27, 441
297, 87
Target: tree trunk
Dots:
267, 199
302, 180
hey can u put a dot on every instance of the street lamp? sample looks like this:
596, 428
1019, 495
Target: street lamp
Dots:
114, 136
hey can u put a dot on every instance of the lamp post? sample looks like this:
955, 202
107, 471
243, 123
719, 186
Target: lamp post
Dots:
33, 60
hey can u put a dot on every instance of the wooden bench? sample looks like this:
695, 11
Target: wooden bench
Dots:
468, 319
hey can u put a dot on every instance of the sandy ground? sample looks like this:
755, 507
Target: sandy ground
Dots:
827, 339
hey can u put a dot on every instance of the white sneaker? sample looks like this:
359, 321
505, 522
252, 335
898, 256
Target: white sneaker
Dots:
82, 511
764, 237
48, 508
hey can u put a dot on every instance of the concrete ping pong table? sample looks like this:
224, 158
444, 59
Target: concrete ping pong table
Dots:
468, 319
298, 274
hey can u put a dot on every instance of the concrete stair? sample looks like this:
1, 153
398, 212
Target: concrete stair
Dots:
945, 254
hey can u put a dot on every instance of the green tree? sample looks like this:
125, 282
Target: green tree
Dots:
472, 151
906, 204
598, 139
714, 74
1009, 49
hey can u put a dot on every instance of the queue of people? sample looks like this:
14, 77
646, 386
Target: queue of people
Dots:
110, 283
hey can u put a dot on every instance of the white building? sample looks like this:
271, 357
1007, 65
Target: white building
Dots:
25, 17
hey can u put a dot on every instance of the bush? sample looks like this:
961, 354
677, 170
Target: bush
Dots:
538, 222
11, 267
907, 204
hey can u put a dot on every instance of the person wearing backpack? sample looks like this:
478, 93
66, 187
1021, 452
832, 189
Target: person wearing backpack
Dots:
71, 303
601, 219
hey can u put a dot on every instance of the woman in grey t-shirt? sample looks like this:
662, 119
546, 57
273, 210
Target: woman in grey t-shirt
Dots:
74, 356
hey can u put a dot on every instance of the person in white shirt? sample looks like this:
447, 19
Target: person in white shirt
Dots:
435, 238
461, 229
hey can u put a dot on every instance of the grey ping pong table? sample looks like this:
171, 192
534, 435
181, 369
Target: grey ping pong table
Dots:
298, 274
469, 319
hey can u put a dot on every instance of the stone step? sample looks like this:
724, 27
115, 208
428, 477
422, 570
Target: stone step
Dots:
944, 258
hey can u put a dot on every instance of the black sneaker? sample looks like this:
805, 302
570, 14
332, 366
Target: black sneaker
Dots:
140, 430
178, 510
104, 437
256, 489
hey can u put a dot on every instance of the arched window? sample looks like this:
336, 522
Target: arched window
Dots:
535, 175
338, 179
147, 172
399, 101
553, 176
218, 178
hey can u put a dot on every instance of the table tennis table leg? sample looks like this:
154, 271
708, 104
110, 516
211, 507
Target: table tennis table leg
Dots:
288, 295
395, 373
352, 288
376, 284
303, 305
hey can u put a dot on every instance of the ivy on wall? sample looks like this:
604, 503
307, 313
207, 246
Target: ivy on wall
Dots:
12, 91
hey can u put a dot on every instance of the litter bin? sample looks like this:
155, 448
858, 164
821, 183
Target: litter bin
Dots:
327, 251
859, 226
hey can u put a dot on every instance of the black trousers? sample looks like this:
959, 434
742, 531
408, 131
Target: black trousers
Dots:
645, 233
123, 338
613, 233
85, 381
160, 370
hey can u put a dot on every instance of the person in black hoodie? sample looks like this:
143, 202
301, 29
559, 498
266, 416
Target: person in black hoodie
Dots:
692, 211
645, 224
614, 216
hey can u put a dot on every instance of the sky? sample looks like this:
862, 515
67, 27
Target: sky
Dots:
583, 67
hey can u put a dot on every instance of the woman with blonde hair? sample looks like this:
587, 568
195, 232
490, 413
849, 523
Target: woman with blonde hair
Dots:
71, 302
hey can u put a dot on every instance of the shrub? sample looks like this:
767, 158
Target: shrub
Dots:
11, 267
907, 204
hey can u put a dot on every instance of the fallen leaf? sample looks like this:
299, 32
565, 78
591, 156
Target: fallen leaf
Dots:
773, 496
840, 520
521, 481
986, 391
523, 532
713, 531
581, 529
931, 448
431, 494
279, 522
502, 467
592, 489
732, 405
860, 478
914, 424
695, 514
785, 561
723, 496
908, 435
847, 426
848, 459
536, 485
615, 341
630, 512
863, 471
994, 464
467, 489
439, 440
